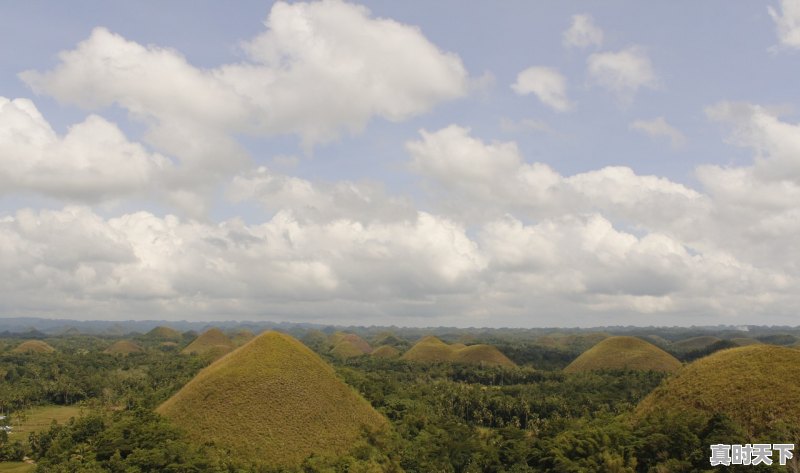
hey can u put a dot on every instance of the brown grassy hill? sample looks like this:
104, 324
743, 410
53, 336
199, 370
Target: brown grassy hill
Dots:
743, 342
240, 337
163, 333
272, 401
571, 342
211, 342
756, 386
431, 349
624, 353
694, 343
33, 346
357, 341
385, 351
346, 349
123, 347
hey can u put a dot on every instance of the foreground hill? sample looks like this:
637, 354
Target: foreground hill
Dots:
625, 353
211, 342
272, 401
33, 346
123, 347
755, 386
431, 349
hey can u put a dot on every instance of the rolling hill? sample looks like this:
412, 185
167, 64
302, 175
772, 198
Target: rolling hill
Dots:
272, 402
755, 386
212, 342
354, 339
33, 346
629, 353
694, 343
123, 347
240, 337
163, 333
431, 350
386, 351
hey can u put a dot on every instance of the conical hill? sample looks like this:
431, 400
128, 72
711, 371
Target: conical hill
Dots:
211, 342
33, 346
624, 353
755, 386
431, 349
123, 347
163, 333
274, 402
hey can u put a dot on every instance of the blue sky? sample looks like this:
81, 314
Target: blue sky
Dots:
460, 163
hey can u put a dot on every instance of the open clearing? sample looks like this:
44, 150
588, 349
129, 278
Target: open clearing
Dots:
16, 467
40, 418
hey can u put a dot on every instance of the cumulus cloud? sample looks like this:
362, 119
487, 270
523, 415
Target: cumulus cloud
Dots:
93, 161
319, 201
787, 23
658, 127
318, 69
776, 143
622, 72
481, 181
582, 32
549, 86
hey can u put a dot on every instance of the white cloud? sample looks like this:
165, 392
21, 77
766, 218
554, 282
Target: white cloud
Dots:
582, 32
776, 143
93, 161
318, 69
787, 22
623, 72
659, 127
547, 84
320, 202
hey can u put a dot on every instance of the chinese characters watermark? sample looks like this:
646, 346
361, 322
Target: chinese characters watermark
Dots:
755, 454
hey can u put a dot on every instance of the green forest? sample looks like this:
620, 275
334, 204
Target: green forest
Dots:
552, 403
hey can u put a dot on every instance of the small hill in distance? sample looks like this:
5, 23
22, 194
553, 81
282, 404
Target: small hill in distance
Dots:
123, 347
431, 350
33, 346
624, 353
272, 402
386, 351
348, 345
240, 337
694, 343
575, 343
163, 333
755, 386
743, 342
354, 339
212, 342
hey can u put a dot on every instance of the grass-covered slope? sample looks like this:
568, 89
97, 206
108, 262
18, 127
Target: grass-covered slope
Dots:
362, 345
385, 351
123, 347
272, 401
240, 337
33, 346
163, 333
211, 342
431, 350
694, 343
756, 386
346, 349
629, 353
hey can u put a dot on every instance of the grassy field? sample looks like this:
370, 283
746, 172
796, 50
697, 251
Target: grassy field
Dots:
16, 467
40, 418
